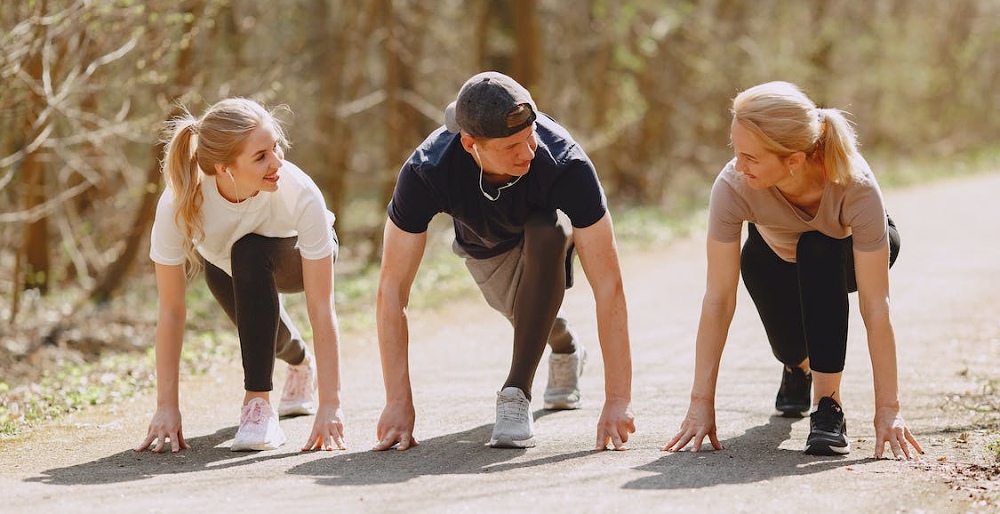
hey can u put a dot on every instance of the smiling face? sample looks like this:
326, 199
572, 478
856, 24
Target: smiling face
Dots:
762, 167
505, 157
256, 167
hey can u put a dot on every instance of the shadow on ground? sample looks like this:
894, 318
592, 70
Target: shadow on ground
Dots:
752, 457
461, 453
204, 453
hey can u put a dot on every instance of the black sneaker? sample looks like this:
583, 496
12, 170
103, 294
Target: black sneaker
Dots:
794, 397
827, 430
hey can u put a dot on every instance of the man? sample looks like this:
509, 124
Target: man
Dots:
522, 195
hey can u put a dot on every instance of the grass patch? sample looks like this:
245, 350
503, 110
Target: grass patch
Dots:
994, 448
894, 170
69, 383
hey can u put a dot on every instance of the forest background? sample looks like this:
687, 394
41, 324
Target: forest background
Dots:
644, 85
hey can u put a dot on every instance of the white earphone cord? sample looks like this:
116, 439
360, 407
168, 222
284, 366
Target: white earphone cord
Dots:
501, 188
236, 189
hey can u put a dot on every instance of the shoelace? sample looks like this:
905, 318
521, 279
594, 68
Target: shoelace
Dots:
255, 414
828, 420
299, 376
512, 408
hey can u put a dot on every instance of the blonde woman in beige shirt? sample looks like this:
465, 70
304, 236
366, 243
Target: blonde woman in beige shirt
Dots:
817, 231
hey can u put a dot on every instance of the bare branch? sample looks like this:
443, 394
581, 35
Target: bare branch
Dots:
361, 104
79, 165
44, 209
18, 155
422, 106
74, 253
110, 57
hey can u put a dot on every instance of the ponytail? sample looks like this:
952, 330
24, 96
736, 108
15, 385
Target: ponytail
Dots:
839, 143
180, 165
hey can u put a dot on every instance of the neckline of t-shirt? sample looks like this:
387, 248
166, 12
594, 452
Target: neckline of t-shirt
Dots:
252, 203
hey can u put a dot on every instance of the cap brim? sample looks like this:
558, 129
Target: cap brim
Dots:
450, 121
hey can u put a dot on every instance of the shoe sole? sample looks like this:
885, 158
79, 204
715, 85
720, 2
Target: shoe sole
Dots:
560, 405
792, 412
826, 448
296, 410
507, 442
255, 447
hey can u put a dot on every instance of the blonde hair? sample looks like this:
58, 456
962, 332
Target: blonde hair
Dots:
787, 121
196, 146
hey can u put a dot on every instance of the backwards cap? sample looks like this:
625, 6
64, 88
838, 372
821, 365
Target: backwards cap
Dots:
484, 103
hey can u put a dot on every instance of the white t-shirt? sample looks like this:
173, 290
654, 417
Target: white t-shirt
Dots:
297, 208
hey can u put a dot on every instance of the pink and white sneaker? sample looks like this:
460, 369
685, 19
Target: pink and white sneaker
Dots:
259, 428
298, 396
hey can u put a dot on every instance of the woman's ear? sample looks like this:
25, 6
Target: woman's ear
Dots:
796, 159
220, 169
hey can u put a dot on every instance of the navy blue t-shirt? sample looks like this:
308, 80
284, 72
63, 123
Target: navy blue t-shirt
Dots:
441, 176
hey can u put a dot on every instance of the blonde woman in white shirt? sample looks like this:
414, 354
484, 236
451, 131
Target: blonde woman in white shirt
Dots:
258, 226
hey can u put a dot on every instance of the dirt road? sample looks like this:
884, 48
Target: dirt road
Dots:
945, 304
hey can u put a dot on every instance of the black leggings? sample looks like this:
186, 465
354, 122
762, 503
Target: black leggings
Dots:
803, 305
262, 268
547, 253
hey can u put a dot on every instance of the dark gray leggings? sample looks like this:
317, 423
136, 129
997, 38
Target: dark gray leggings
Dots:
262, 268
547, 255
803, 304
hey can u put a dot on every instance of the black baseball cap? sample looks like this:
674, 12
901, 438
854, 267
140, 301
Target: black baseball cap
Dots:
484, 103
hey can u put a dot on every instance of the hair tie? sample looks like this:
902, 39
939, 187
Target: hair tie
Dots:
821, 115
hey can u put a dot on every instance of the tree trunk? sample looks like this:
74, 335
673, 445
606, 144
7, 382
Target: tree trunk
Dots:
35, 244
343, 30
115, 274
526, 61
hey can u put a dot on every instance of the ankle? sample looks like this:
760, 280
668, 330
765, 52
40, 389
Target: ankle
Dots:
263, 395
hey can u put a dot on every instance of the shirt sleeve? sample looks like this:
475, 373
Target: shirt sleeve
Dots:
413, 203
315, 224
579, 194
864, 212
166, 243
726, 212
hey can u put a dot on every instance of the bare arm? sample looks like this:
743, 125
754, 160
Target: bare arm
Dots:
401, 256
328, 427
872, 274
717, 310
171, 284
599, 257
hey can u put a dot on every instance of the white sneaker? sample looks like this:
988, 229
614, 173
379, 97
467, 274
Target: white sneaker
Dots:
563, 389
515, 425
259, 428
298, 396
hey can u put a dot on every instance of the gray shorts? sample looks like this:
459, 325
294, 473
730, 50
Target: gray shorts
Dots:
499, 277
